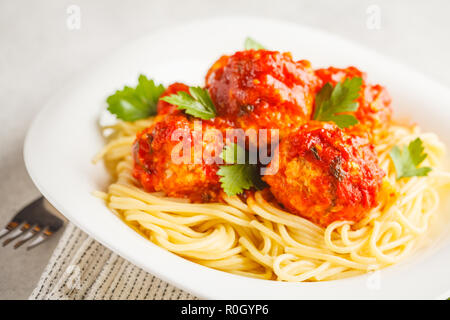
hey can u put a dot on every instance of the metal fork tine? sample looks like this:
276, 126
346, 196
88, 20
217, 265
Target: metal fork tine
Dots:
14, 233
4, 232
32, 234
9, 228
43, 236
34, 223
17, 234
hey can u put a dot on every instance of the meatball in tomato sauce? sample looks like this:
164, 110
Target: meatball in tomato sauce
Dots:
262, 89
325, 175
163, 107
374, 102
166, 159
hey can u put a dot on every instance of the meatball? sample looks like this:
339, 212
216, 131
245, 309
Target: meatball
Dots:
374, 110
325, 175
262, 89
163, 107
165, 158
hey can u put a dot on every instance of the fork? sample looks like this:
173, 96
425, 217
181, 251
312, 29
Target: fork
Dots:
38, 221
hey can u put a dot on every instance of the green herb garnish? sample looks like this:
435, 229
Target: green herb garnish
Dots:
251, 44
238, 175
197, 103
332, 102
407, 160
131, 104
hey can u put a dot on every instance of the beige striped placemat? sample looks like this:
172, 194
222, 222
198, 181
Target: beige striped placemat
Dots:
81, 268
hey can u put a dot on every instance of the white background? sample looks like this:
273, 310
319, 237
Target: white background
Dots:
39, 53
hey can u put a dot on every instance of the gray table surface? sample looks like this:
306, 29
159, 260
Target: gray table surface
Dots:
39, 53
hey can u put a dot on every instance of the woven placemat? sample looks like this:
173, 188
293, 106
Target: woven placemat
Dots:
81, 268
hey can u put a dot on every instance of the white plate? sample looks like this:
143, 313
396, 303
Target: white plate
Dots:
64, 137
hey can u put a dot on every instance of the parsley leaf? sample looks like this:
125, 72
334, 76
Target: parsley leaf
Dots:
233, 154
197, 103
407, 160
131, 104
238, 176
251, 44
331, 102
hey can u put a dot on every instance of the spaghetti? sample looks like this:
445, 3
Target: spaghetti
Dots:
259, 239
